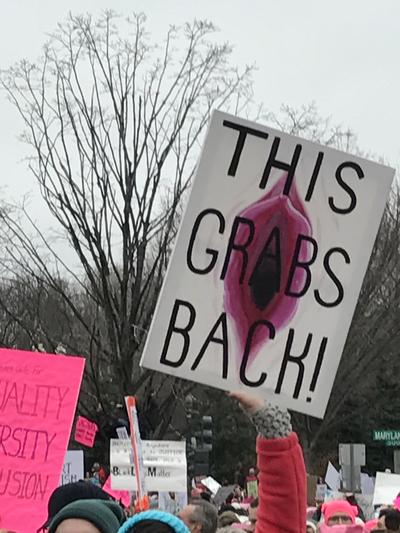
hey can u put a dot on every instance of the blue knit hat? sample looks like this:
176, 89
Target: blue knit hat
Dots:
170, 520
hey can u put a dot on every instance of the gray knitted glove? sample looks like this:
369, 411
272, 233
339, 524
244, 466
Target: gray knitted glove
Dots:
272, 422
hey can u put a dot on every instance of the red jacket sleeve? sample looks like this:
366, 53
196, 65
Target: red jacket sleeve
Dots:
282, 487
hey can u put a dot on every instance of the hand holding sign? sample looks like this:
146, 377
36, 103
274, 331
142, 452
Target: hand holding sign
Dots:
249, 403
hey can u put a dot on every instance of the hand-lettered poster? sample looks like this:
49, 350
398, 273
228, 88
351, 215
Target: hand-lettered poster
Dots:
268, 265
38, 396
85, 431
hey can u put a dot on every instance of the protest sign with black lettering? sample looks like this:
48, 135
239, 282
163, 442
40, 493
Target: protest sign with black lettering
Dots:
38, 396
268, 265
164, 465
72, 470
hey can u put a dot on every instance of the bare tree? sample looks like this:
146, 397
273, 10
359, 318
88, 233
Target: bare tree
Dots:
113, 122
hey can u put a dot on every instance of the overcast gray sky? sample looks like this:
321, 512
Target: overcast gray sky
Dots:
343, 54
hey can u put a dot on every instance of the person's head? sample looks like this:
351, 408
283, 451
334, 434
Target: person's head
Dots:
71, 492
205, 496
154, 522
200, 517
252, 472
253, 509
374, 526
96, 467
392, 520
227, 518
339, 512
311, 527
237, 491
88, 516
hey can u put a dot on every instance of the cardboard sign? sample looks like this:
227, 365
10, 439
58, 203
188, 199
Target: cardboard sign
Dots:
85, 431
164, 465
123, 496
387, 487
38, 396
72, 470
268, 265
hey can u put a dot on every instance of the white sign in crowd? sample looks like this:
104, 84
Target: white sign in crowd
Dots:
164, 464
268, 265
73, 467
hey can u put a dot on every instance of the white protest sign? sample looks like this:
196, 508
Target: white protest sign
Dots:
211, 484
320, 492
164, 465
332, 477
367, 484
73, 467
268, 265
365, 502
122, 433
387, 487
172, 502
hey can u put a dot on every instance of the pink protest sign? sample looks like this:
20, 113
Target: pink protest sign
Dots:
85, 431
120, 495
38, 396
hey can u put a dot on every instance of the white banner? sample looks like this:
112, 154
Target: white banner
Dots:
164, 465
73, 467
268, 265
387, 487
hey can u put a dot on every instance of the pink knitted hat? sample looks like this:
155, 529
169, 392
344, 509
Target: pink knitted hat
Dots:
339, 506
371, 524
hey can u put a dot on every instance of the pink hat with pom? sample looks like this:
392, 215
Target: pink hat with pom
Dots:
333, 507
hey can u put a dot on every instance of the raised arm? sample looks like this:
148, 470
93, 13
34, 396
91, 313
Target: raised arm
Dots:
282, 478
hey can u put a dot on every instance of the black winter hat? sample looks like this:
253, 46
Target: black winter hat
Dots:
71, 492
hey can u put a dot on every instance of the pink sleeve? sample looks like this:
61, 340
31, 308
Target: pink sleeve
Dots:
282, 486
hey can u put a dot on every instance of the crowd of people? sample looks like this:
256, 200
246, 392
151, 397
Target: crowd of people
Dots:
281, 506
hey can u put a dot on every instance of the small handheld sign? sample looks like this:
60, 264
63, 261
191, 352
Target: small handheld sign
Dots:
85, 431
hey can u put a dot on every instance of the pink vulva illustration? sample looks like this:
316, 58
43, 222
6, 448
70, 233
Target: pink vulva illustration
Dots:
261, 284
